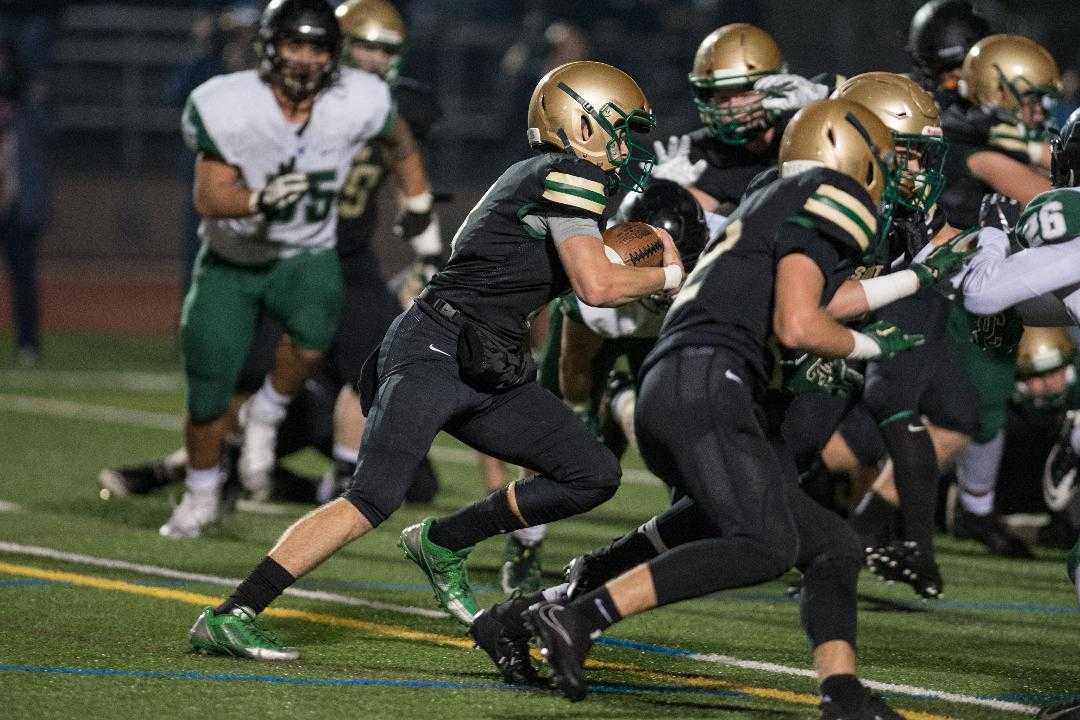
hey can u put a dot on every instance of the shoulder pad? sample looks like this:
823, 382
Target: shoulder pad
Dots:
1050, 217
570, 182
838, 208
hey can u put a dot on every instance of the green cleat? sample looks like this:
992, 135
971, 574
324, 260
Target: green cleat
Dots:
521, 567
238, 634
445, 570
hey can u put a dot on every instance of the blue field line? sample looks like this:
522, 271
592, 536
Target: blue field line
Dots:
413, 684
25, 582
643, 647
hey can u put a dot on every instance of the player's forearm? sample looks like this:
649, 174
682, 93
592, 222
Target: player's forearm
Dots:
617, 285
412, 179
223, 200
813, 330
996, 281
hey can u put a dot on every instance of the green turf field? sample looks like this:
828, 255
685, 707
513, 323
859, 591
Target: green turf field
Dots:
81, 635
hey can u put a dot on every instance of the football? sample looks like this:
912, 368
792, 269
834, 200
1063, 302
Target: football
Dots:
634, 243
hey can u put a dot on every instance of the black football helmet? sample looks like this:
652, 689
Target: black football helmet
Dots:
1065, 153
666, 204
941, 33
309, 21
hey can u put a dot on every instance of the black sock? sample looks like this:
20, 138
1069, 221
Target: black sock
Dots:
915, 470
260, 588
597, 610
483, 519
873, 519
844, 690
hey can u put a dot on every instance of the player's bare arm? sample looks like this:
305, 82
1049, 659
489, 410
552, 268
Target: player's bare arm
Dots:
1007, 176
601, 283
219, 192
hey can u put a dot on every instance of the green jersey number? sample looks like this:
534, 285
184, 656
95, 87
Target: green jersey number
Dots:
1051, 217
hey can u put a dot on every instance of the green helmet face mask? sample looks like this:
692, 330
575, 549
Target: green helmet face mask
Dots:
918, 189
731, 125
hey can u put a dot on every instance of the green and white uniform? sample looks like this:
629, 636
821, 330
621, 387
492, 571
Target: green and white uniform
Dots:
284, 262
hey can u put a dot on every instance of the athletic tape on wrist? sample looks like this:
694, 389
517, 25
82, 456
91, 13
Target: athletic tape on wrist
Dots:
865, 347
673, 276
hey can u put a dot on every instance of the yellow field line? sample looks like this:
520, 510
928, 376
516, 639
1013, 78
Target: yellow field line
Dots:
400, 633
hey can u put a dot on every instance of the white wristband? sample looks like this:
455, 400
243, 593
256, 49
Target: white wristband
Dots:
882, 290
418, 203
865, 347
1035, 152
253, 202
673, 276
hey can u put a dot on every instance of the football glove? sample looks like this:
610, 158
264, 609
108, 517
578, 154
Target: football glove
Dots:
809, 373
784, 92
943, 262
891, 340
673, 162
281, 192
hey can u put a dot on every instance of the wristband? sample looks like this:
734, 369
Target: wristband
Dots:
1035, 152
865, 347
253, 202
882, 290
419, 204
673, 276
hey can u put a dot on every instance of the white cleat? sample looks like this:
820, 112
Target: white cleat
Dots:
196, 510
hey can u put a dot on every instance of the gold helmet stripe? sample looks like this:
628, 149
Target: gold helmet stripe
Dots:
850, 202
579, 182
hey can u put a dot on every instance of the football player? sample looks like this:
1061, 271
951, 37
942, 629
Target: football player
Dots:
456, 359
767, 275
744, 97
374, 35
266, 179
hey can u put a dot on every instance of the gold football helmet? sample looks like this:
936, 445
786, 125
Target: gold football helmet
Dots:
589, 109
1007, 73
728, 62
1043, 349
372, 23
912, 115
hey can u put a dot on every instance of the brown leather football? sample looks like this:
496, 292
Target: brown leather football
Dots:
634, 243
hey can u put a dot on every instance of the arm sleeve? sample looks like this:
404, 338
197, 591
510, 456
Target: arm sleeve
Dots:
995, 281
562, 228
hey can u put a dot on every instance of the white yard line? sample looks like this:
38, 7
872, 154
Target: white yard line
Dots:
127, 381
725, 660
32, 405
6, 506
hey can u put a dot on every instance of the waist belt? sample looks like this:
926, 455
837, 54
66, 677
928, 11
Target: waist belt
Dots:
440, 306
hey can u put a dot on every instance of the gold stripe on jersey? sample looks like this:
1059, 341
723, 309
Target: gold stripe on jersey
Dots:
574, 201
576, 181
1008, 137
841, 219
850, 202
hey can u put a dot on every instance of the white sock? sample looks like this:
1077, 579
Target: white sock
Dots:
977, 471
530, 536
203, 481
268, 405
345, 453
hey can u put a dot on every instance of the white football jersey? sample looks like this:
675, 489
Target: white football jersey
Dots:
235, 118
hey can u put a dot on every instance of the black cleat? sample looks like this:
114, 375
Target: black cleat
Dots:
904, 561
509, 653
1068, 710
872, 707
587, 572
991, 532
563, 646
142, 479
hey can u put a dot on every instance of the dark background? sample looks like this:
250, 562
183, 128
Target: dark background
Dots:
99, 73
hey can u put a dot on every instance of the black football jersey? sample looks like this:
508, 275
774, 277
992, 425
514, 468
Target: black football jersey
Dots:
970, 130
727, 300
501, 268
730, 168
358, 200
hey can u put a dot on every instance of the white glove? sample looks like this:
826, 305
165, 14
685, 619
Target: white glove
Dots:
280, 192
673, 163
788, 92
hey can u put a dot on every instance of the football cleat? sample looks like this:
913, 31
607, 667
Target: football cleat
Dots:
510, 654
563, 645
197, 509
991, 532
905, 561
445, 570
238, 634
142, 479
872, 707
257, 455
521, 567
1068, 710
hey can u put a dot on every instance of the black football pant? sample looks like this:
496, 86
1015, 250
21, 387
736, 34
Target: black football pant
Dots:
420, 392
698, 428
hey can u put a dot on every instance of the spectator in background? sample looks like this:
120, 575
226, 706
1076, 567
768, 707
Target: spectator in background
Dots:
23, 193
1070, 96
224, 39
